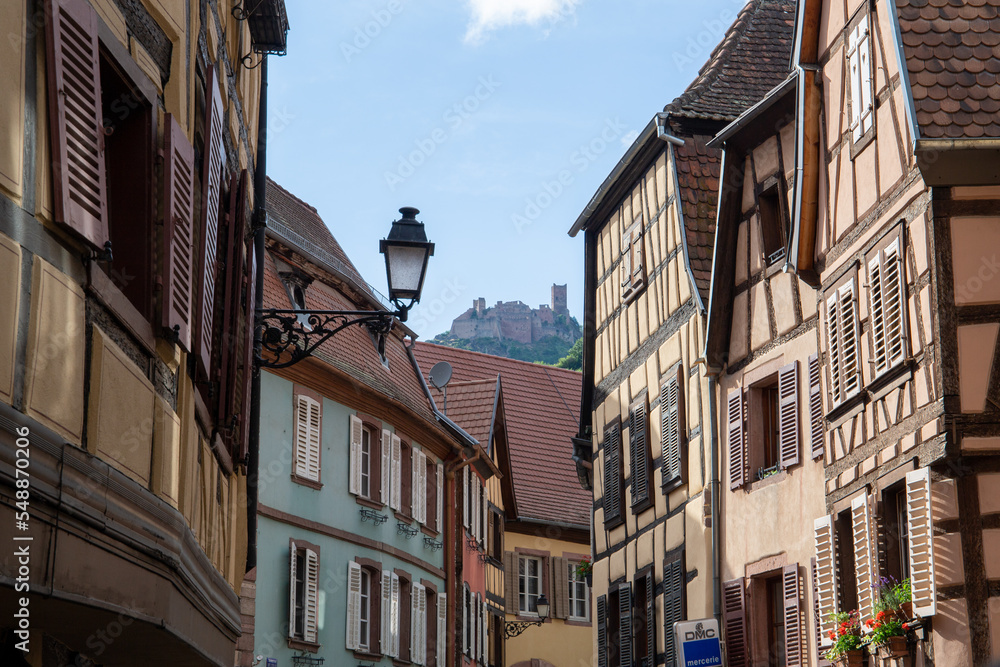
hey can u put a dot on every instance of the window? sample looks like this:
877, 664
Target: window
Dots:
644, 620
633, 275
614, 627
896, 536
496, 535
775, 621
303, 604
308, 436
765, 439
641, 462
579, 595
405, 616
674, 583
672, 429
496, 657
466, 619
369, 606
529, 570
613, 473
406, 480
887, 305
365, 621
842, 340
366, 455
762, 618
767, 402
369, 465
773, 228
431, 483
860, 71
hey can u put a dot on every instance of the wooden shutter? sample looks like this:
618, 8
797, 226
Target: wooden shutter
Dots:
670, 433
486, 515
820, 652
560, 579
673, 604
353, 605
788, 415
385, 458
473, 506
465, 619
414, 483
876, 313
612, 473
825, 536
215, 159
414, 622
76, 120
737, 446
248, 351
816, 439
854, 71
231, 277
442, 621
602, 631
920, 535
292, 573
178, 232
865, 77
639, 453
397, 473
833, 346
485, 631
312, 596
385, 614
625, 624
307, 437
848, 315
421, 638
865, 564
649, 622
357, 435
510, 576
793, 626
395, 617
440, 498
626, 265
893, 297
735, 621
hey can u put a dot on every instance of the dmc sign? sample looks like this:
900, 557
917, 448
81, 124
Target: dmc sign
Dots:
698, 643
699, 632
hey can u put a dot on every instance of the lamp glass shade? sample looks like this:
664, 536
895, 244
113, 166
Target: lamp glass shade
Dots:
405, 265
542, 607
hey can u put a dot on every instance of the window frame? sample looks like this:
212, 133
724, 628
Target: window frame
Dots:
572, 581
525, 559
773, 186
643, 627
633, 251
897, 236
296, 640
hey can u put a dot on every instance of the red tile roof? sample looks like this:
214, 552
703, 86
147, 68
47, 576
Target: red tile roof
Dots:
470, 405
952, 51
542, 406
698, 182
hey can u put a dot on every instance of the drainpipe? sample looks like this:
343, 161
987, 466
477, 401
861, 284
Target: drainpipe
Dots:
258, 223
714, 488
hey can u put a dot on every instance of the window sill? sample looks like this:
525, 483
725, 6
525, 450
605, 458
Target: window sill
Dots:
633, 292
672, 484
301, 645
304, 481
642, 506
405, 518
364, 655
399, 661
579, 622
429, 531
770, 480
367, 502
890, 379
862, 143
115, 301
850, 406
613, 523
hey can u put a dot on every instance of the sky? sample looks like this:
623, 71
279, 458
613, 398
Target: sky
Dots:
498, 119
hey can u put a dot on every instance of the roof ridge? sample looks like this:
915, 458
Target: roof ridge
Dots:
495, 356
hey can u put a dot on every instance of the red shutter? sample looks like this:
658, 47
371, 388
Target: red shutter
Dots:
734, 619
232, 282
788, 415
76, 119
737, 449
793, 626
178, 232
248, 358
211, 183
815, 408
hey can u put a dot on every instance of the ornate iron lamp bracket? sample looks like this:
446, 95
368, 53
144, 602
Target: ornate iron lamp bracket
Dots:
514, 628
289, 336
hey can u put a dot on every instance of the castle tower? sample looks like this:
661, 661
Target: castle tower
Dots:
559, 300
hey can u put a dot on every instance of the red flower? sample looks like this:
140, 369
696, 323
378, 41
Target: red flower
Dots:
869, 622
881, 615
832, 636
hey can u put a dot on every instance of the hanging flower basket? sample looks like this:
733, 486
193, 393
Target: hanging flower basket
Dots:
852, 658
894, 647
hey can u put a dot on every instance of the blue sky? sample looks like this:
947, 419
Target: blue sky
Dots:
498, 119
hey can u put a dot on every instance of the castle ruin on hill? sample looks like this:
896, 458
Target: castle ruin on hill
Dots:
515, 320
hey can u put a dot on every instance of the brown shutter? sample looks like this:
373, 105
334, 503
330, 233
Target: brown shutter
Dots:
211, 182
670, 433
232, 282
649, 622
737, 449
602, 631
612, 473
510, 576
788, 415
248, 360
815, 408
560, 597
673, 604
639, 454
625, 624
76, 123
793, 626
735, 621
178, 232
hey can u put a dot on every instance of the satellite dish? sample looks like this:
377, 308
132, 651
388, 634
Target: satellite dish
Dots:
441, 374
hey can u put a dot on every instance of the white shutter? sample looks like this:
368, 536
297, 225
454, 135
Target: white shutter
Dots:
385, 614
483, 630
466, 519
920, 534
854, 71
486, 514
848, 337
312, 596
893, 296
442, 635
386, 458
397, 470
865, 67
291, 591
414, 621
826, 574
465, 619
307, 437
876, 312
418, 638
865, 563
423, 489
353, 605
440, 497
475, 507
833, 345
357, 433
394, 620
414, 483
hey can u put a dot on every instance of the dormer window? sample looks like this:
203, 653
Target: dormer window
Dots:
633, 271
773, 228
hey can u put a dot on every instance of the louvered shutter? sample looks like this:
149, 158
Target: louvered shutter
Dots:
476, 516
848, 338
670, 435
178, 232
397, 473
421, 638
825, 536
76, 122
423, 488
788, 414
486, 514
306, 461
353, 605
920, 535
602, 631
854, 71
292, 573
815, 408
465, 619
415, 483
312, 596
466, 514
385, 614
248, 352
231, 277
625, 623
737, 446
793, 626
640, 457
442, 637
510, 576
673, 605
865, 76
485, 634
649, 622
440, 498
820, 653
893, 298
215, 159
560, 579
876, 313
734, 618
414, 622
864, 562
612, 474
357, 434
833, 336
385, 458
395, 618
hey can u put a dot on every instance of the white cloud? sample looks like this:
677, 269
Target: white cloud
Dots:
489, 15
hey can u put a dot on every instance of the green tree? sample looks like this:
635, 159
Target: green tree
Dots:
574, 358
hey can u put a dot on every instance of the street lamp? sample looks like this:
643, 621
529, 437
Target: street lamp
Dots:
514, 628
291, 335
